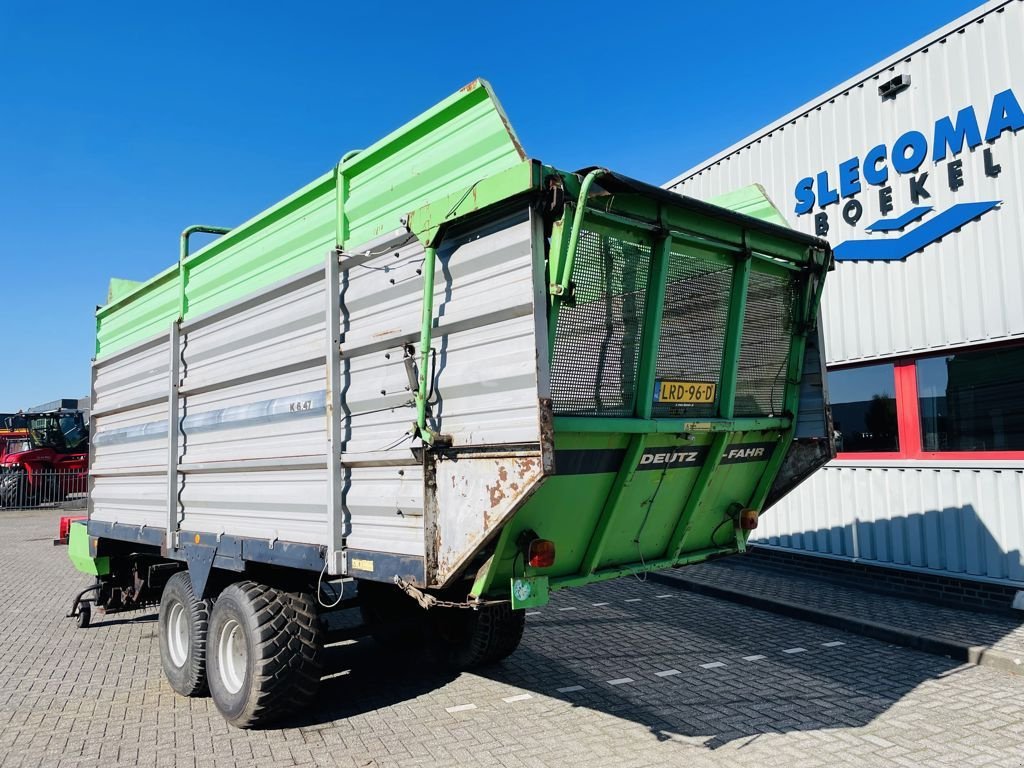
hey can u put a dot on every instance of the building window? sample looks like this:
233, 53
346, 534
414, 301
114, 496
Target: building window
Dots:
972, 401
864, 409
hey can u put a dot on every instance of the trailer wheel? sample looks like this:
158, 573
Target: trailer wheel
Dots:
265, 653
466, 639
184, 620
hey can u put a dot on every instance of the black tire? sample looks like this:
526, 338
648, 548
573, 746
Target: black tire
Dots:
84, 615
265, 653
466, 639
14, 490
394, 619
184, 620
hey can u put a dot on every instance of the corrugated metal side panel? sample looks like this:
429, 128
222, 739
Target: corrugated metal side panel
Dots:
484, 340
963, 289
289, 505
130, 440
139, 376
485, 367
275, 411
384, 506
957, 522
130, 499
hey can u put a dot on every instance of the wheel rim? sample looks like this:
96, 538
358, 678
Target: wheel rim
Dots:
232, 656
177, 634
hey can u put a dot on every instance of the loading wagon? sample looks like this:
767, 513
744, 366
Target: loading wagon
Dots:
437, 383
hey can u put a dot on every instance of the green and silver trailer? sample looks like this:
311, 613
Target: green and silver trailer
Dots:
436, 383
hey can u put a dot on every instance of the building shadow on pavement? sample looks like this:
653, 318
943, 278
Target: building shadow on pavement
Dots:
733, 672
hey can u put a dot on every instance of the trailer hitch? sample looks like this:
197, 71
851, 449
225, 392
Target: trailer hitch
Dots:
426, 602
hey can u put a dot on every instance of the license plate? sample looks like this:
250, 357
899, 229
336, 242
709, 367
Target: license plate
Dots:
688, 392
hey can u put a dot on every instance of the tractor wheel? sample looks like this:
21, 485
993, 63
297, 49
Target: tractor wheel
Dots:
183, 628
265, 653
465, 639
14, 489
84, 615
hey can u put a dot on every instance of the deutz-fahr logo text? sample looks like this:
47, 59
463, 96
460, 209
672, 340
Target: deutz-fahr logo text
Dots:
882, 166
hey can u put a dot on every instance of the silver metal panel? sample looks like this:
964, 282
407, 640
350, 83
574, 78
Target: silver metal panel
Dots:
287, 329
962, 290
272, 441
485, 366
332, 402
384, 509
239, 407
136, 438
963, 522
129, 437
288, 505
132, 499
122, 381
173, 430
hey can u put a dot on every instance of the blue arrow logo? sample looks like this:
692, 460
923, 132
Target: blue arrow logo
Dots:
897, 248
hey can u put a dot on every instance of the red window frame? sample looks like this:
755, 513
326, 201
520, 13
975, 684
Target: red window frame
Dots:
908, 421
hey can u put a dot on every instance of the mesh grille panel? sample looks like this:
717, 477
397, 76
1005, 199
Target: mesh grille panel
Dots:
597, 341
693, 329
764, 351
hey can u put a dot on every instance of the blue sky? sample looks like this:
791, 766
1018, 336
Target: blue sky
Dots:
121, 123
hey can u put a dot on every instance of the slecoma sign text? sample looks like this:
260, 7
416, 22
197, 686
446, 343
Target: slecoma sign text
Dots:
880, 165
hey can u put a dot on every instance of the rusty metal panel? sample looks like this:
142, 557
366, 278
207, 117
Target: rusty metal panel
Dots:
964, 521
475, 496
961, 289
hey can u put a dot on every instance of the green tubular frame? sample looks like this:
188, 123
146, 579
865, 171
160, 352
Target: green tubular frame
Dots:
643, 406
642, 425
426, 334
561, 286
183, 255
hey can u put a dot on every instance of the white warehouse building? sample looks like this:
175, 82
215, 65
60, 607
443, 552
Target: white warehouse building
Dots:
914, 172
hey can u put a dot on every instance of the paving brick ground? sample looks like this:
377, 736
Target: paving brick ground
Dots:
753, 577
622, 674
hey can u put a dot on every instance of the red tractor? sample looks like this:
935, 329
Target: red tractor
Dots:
12, 427
44, 458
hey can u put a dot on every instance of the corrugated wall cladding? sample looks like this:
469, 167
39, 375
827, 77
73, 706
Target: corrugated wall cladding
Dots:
953, 521
963, 289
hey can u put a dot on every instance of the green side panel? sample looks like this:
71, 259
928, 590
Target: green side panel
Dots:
294, 235
140, 315
447, 149
78, 552
119, 288
751, 201
455, 144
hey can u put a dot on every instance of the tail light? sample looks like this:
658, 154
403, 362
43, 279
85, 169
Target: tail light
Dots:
747, 519
538, 552
541, 553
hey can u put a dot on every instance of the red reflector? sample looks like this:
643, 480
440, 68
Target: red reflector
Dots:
64, 529
748, 519
542, 553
